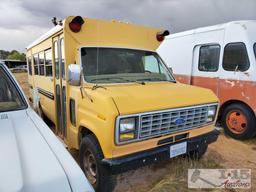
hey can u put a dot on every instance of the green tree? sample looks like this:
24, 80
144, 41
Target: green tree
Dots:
15, 55
4, 54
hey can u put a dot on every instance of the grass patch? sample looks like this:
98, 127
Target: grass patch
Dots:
176, 180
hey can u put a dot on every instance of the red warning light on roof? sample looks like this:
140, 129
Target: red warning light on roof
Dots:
76, 24
161, 35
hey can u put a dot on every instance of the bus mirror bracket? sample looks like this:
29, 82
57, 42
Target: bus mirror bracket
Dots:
74, 74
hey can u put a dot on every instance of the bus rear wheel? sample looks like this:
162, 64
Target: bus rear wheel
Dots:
239, 121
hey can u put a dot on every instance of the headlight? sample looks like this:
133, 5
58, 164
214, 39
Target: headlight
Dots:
127, 125
127, 129
211, 113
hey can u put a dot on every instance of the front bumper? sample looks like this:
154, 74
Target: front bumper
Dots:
133, 161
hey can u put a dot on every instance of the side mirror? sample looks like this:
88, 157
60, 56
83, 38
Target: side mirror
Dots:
74, 75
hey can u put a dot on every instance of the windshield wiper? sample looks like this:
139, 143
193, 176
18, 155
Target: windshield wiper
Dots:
151, 79
96, 86
106, 78
139, 82
155, 79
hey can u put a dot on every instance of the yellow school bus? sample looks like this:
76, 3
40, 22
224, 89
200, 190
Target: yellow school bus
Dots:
111, 97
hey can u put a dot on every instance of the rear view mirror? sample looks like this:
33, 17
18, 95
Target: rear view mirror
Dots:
74, 75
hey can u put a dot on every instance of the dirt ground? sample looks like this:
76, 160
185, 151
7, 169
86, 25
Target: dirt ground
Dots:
172, 175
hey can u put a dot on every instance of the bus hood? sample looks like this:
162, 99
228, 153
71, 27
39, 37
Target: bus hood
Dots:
137, 98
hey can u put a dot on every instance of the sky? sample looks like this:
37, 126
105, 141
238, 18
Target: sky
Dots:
23, 21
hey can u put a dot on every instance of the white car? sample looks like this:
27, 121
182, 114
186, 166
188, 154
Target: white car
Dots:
32, 158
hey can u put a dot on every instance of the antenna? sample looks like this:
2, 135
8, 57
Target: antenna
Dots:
54, 21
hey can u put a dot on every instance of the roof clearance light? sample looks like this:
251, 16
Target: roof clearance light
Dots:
161, 35
76, 24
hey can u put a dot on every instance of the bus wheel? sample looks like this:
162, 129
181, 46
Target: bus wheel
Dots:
239, 121
90, 157
198, 153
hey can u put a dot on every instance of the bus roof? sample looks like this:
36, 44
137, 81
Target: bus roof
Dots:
45, 36
97, 32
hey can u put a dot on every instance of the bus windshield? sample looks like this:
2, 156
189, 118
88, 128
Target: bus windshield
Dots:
10, 99
116, 65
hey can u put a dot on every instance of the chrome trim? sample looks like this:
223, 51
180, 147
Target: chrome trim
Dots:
138, 115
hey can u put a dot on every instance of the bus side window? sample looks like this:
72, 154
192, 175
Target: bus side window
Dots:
62, 60
29, 63
48, 62
36, 62
41, 63
56, 60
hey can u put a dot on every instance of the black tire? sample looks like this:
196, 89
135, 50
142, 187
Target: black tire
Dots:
250, 126
105, 181
198, 153
40, 112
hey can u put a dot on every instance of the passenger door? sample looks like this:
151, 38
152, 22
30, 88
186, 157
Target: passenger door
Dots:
205, 68
60, 86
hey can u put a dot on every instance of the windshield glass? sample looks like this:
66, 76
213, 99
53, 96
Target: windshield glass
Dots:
114, 65
10, 99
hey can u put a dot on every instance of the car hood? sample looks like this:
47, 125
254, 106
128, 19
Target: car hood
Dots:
136, 98
27, 162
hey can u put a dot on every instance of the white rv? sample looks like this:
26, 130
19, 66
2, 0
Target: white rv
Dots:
221, 58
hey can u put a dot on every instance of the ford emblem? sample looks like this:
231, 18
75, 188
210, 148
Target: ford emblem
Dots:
179, 121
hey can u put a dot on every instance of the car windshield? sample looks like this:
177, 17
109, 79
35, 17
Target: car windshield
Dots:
10, 99
116, 65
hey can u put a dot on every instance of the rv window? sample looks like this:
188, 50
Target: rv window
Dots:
41, 63
36, 62
48, 62
29, 63
56, 60
235, 57
209, 58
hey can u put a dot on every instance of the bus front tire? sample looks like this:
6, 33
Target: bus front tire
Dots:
40, 112
198, 153
90, 157
239, 121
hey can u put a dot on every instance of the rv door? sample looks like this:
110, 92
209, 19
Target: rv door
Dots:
205, 68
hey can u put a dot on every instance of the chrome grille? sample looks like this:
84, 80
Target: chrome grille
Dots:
165, 122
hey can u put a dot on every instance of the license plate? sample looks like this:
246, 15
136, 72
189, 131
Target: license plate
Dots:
178, 149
